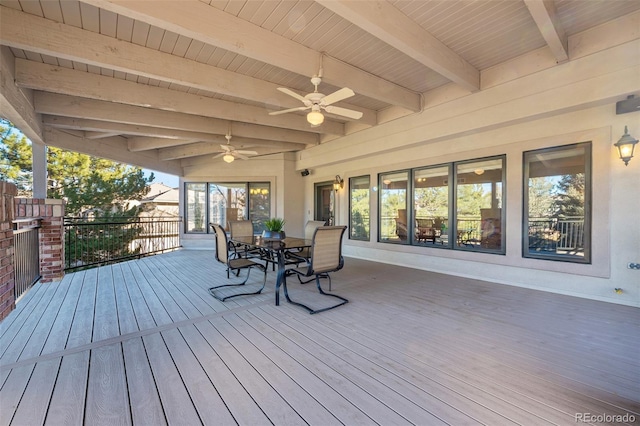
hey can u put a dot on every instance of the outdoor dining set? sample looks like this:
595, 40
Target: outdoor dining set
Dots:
311, 258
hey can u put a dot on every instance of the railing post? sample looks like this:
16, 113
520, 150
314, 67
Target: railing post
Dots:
51, 233
8, 192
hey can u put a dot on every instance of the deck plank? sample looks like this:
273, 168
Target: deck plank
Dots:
68, 400
177, 404
206, 399
127, 322
105, 323
242, 407
146, 407
272, 403
82, 325
61, 327
107, 397
38, 393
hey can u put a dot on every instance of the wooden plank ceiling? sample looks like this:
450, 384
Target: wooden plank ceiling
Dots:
172, 78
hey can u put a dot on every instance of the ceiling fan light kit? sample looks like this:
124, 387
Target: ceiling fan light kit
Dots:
229, 153
316, 102
315, 118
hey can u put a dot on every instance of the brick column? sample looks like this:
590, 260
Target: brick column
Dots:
8, 192
51, 233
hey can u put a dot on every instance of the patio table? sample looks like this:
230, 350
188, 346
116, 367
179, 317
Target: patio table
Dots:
275, 249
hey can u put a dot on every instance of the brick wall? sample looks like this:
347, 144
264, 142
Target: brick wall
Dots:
51, 233
8, 192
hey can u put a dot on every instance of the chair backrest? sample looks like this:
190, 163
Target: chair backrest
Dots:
240, 228
222, 244
310, 228
326, 250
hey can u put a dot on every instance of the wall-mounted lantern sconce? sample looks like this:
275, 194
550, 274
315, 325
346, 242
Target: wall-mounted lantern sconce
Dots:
625, 146
338, 183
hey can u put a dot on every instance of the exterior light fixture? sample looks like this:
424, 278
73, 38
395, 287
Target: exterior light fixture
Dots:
625, 146
479, 171
315, 117
338, 183
228, 158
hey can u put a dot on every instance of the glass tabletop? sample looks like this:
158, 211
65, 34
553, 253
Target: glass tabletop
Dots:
276, 245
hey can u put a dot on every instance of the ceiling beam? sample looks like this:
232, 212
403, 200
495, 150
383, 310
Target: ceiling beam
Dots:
146, 134
100, 135
384, 21
202, 148
15, 104
199, 21
145, 143
32, 33
114, 148
50, 78
544, 14
69, 106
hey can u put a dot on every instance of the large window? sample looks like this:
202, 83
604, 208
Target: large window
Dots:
208, 203
431, 205
359, 208
479, 195
393, 189
196, 207
456, 206
557, 201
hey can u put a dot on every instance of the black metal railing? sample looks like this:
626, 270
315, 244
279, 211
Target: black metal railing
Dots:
26, 261
90, 243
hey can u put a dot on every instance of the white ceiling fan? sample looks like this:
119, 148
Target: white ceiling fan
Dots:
229, 153
316, 102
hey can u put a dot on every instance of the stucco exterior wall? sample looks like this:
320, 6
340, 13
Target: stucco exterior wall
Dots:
557, 106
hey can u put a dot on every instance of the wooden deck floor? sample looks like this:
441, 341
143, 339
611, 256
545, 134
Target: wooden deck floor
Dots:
143, 343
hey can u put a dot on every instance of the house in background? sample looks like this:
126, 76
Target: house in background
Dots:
161, 200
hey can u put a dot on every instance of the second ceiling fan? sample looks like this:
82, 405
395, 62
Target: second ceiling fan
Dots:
317, 102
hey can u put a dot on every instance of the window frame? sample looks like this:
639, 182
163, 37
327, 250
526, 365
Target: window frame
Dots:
368, 221
207, 188
588, 210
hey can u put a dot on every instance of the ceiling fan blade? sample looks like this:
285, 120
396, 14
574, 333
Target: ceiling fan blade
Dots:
243, 157
226, 148
337, 96
291, 93
246, 152
284, 111
220, 155
349, 113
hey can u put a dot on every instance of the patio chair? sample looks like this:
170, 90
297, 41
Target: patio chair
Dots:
240, 229
326, 256
309, 229
233, 264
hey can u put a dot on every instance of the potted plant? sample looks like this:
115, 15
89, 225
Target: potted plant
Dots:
275, 229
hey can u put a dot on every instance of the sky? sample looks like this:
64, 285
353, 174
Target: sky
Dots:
167, 179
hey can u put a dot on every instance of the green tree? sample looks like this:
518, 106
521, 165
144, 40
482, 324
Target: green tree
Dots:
85, 182
570, 200
15, 158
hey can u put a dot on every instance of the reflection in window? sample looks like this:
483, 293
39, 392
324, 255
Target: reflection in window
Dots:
393, 226
557, 198
227, 201
431, 205
479, 195
208, 203
259, 205
196, 207
359, 208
